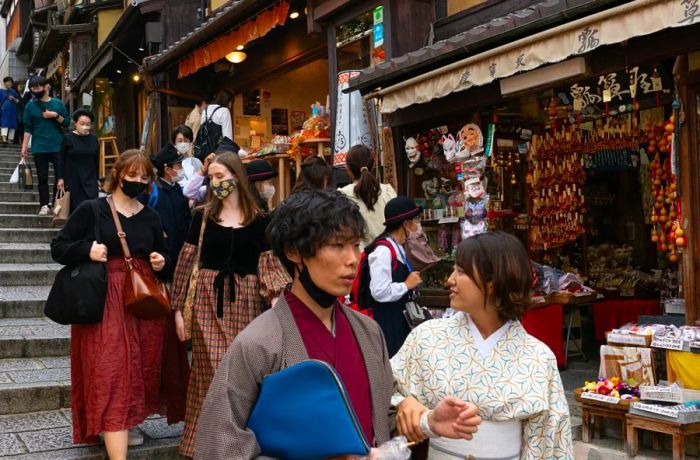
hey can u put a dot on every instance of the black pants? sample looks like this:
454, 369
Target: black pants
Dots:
41, 163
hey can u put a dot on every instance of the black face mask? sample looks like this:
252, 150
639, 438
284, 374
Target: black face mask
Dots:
133, 189
38, 94
319, 296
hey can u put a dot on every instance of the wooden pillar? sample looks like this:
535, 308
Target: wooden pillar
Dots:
688, 84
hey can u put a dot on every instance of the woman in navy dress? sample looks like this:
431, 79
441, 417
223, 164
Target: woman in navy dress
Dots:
8, 110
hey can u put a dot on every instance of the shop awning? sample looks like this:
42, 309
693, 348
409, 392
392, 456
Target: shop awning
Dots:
55, 40
215, 38
615, 25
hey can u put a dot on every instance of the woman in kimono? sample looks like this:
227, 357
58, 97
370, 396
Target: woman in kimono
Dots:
238, 277
484, 356
8, 110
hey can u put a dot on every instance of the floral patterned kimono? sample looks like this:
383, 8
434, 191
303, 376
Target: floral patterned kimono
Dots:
515, 384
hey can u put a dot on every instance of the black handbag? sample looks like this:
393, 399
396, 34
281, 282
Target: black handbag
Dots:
415, 313
78, 292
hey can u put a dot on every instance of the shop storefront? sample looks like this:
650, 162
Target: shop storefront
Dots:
276, 70
582, 140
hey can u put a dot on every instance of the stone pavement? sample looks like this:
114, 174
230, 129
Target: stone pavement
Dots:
35, 420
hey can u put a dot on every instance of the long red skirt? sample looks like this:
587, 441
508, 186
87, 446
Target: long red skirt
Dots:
116, 378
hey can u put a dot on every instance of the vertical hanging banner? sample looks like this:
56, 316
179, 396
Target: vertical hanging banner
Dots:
351, 125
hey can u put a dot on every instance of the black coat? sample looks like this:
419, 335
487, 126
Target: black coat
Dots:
78, 165
174, 211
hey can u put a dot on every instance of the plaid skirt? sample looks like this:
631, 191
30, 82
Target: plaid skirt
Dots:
211, 337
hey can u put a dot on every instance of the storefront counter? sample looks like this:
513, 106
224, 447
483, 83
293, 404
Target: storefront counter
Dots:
613, 313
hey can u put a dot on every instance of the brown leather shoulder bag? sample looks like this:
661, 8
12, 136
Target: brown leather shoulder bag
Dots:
144, 296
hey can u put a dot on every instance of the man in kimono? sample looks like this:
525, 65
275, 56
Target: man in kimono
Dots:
316, 235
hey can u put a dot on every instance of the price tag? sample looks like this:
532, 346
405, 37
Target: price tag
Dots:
601, 398
657, 409
578, 104
668, 343
448, 220
656, 84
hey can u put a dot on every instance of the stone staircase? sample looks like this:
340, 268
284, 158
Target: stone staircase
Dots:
35, 418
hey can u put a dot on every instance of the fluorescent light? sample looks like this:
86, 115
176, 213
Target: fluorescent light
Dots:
119, 71
544, 76
294, 15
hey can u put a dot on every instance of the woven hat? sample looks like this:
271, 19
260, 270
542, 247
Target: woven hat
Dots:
400, 209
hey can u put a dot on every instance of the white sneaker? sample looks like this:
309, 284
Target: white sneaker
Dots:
44, 211
135, 437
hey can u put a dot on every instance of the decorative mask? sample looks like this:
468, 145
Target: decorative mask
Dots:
430, 188
449, 146
474, 188
412, 152
470, 141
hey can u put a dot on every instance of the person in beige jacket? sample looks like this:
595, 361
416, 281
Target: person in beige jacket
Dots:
316, 236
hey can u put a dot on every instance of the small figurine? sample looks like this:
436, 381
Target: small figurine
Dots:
412, 151
430, 188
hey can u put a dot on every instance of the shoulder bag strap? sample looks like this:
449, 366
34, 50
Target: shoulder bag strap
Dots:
96, 212
120, 231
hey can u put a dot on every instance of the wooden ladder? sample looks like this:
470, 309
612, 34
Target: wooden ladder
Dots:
108, 160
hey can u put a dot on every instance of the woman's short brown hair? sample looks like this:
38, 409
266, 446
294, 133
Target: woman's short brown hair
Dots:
129, 161
501, 260
212, 206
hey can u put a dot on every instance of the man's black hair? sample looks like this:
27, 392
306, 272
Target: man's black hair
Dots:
6, 79
308, 220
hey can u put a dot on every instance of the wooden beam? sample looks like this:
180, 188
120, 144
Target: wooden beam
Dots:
327, 8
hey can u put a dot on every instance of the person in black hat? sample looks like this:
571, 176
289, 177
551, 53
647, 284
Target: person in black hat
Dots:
168, 200
260, 174
391, 277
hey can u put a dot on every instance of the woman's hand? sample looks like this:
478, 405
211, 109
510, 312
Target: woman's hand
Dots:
408, 419
180, 325
207, 162
48, 114
98, 252
157, 261
60, 185
413, 280
454, 418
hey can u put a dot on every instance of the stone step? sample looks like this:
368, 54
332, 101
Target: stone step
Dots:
27, 253
27, 235
6, 171
47, 435
16, 195
34, 384
28, 274
25, 221
8, 207
33, 338
23, 301
5, 186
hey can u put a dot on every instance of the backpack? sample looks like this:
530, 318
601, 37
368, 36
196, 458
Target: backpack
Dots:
208, 137
360, 295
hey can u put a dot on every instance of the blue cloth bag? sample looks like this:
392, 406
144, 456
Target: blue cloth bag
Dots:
304, 413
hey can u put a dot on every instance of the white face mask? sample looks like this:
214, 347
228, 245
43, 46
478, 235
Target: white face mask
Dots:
183, 147
268, 191
179, 175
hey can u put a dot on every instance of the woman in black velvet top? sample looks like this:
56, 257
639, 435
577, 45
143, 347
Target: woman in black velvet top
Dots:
78, 161
238, 277
118, 365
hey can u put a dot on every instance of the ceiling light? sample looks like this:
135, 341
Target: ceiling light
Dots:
294, 15
239, 47
119, 71
236, 57
136, 78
